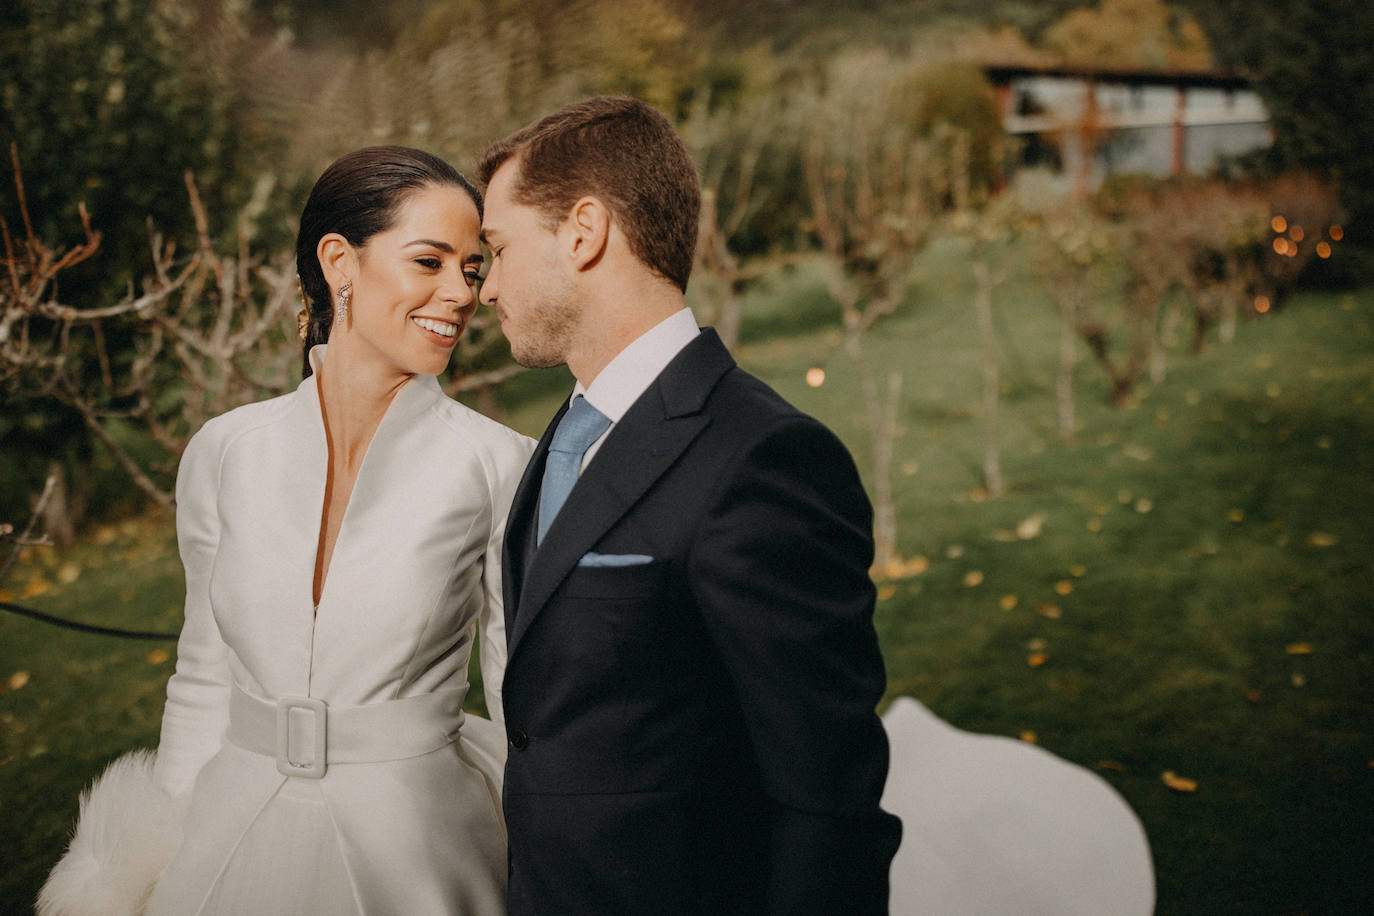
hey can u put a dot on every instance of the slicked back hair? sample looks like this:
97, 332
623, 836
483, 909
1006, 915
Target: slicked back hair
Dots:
623, 152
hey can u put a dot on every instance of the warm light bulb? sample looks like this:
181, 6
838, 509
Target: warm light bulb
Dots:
1281, 246
1261, 304
815, 376
1323, 250
1296, 233
1279, 223
1336, 233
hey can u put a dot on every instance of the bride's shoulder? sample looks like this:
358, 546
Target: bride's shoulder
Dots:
480, 431
217, 432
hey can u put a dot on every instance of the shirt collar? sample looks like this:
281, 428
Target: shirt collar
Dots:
634, 368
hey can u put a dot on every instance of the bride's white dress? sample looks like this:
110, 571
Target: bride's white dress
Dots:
405, 816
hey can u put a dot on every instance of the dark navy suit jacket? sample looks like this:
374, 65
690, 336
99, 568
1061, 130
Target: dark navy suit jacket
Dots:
696, 734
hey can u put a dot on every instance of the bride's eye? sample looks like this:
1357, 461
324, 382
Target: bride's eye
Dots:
431, 263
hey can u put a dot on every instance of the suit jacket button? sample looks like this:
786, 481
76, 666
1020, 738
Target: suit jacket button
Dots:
518, 739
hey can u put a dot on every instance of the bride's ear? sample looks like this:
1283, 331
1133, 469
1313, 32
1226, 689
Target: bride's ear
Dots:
338, 259
587, 231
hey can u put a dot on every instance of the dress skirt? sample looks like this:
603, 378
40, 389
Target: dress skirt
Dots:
418, 835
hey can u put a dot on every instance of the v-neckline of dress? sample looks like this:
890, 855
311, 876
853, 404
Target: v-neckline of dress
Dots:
408, 390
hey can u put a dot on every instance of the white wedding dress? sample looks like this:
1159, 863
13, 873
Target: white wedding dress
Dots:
402, 815
992, 826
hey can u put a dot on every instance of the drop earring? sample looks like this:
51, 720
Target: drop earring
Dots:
345, 294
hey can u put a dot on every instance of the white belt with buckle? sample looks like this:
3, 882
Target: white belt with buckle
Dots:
306, 735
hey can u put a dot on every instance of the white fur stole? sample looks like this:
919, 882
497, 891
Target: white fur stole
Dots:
127, 830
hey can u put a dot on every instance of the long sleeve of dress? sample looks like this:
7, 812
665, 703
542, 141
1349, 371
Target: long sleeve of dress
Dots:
507, 463
197, 710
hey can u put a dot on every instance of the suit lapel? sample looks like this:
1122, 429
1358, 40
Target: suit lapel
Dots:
647, 441
518, 546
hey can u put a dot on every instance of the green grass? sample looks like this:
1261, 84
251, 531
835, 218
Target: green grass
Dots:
1189, 540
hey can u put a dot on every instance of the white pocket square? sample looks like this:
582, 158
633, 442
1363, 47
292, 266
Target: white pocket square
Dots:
591, 558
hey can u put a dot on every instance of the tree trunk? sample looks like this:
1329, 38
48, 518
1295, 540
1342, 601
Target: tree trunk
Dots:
58, 523
985, 282
728, 318
882, 431
1067, 358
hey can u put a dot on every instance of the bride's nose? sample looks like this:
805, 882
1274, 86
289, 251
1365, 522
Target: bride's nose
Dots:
457, 290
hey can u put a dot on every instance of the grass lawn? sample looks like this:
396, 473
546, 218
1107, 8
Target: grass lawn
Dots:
1185, 587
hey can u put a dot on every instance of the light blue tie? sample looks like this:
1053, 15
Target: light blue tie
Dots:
582, 425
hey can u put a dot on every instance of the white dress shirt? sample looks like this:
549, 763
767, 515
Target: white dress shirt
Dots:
634, 369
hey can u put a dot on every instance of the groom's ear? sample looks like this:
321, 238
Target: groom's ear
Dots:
587, 231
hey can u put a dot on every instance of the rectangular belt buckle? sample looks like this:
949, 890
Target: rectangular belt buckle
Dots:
286, 707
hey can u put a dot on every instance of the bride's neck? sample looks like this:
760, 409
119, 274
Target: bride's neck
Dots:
354, 395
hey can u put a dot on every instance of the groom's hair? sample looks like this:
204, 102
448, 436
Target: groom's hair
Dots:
621, 151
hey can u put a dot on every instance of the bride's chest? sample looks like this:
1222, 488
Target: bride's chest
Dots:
409, 537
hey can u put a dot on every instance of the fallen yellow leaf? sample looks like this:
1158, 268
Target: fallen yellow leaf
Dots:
35, 586
1051, 611
973, 578
1299, 648
1029, 736
1143, 505
18, 680
914, 567
1078, 570
69, 573
1094, 524
1030, 528
1007, 602
1036, 659
1178, 783
158, 656
1236, 515
1063, 587
1322, 539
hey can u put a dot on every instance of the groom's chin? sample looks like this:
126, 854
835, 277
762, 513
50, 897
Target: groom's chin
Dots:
536, 360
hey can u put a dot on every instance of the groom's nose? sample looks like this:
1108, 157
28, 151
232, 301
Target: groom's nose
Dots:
487, 293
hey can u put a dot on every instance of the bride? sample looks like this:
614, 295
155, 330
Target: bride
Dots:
342, 550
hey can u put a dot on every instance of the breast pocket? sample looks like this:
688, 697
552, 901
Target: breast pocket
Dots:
639, 580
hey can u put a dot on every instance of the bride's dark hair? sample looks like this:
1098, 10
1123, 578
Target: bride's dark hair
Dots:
357, 197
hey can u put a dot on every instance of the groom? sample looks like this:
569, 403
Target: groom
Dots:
693, 669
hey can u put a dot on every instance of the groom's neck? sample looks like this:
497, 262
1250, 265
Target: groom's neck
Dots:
615, 317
